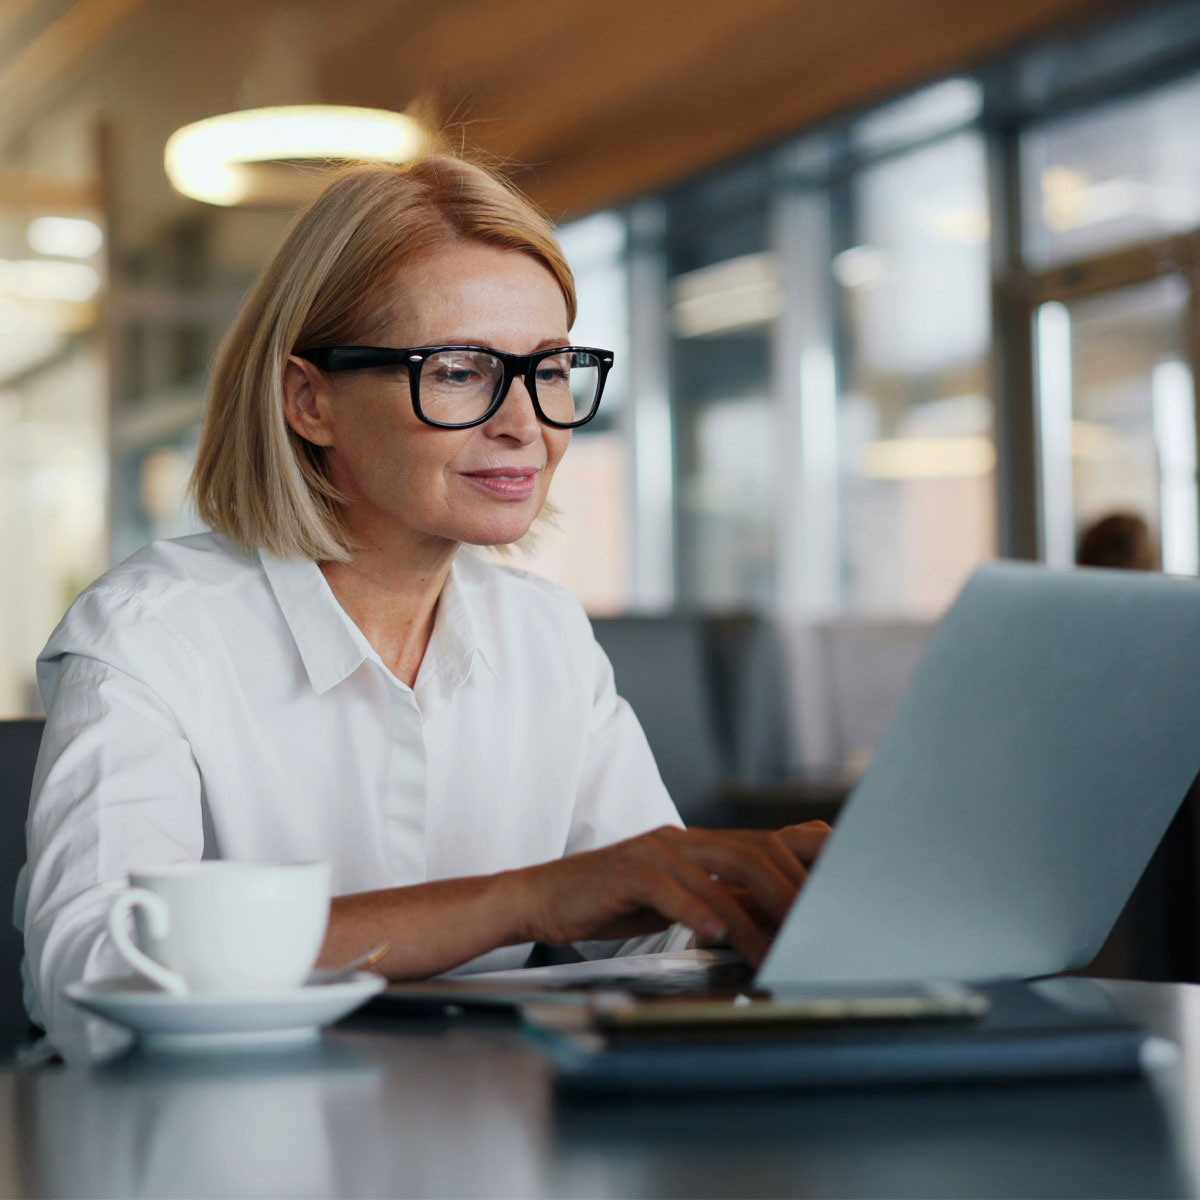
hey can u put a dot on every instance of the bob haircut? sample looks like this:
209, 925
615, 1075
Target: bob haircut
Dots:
257, 481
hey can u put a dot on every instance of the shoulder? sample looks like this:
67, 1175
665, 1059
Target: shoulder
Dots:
505, 587
169, 586
165, 570
519, 614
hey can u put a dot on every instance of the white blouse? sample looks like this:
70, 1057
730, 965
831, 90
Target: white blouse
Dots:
207, 703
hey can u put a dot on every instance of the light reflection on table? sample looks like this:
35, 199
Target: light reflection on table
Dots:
429, 1108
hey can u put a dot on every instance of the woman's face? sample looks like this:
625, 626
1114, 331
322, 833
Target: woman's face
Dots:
409, 482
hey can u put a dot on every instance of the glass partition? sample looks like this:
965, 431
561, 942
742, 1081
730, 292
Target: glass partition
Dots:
584, 543
726, 293
1112, 176
916, 446
53, 434
1117, 419
939, 108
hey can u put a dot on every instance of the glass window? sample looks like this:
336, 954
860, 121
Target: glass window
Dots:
1114, 176
53, 481
584, 542
595, 248
938, 109
725, 295
726, 433
53, 435
915, 413
1095, 60
150, 491
1117, 418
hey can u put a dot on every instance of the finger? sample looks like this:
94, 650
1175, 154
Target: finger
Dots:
799, 866
738, 861
685, 891
738, 928
663, 893
807, 840
777, 850
638, 923
763, 919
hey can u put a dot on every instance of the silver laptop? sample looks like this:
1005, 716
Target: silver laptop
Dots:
1047, 740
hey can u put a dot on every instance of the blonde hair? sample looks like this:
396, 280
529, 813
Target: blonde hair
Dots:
255, 479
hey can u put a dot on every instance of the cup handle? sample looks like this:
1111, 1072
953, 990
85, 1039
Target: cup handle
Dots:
160, 921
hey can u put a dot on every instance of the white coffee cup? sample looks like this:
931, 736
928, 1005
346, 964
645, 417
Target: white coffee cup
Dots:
223, 928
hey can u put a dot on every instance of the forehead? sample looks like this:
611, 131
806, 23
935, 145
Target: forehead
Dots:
467, 292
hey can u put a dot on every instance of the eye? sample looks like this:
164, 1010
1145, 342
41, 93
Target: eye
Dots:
553, 372
457, 372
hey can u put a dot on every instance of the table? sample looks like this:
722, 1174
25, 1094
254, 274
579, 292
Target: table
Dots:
432, 1108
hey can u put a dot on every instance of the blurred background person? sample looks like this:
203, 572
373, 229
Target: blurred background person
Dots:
1119, 540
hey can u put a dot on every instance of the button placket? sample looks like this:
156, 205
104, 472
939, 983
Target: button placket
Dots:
405, 803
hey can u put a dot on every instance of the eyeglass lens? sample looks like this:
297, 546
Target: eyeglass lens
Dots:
459, 386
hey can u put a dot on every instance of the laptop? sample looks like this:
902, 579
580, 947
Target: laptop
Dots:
1049, 736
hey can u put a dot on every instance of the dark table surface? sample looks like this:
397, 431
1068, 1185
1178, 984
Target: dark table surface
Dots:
428, 1108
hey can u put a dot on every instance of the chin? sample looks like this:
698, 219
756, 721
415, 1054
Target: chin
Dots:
495, 533
496, 540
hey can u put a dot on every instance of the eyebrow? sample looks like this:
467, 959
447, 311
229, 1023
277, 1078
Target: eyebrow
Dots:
545, 344
549, 343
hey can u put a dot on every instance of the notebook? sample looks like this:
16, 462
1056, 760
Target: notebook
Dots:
1021, 1033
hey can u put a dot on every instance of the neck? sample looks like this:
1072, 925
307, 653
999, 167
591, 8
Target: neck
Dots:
392, 596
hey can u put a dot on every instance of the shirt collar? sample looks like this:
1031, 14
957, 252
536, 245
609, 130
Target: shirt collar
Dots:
332, 647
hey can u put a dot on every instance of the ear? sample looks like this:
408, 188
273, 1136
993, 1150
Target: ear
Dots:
304, 393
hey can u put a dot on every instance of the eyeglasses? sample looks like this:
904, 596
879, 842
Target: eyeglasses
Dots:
456, 387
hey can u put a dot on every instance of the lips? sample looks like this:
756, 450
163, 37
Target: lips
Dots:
505, 483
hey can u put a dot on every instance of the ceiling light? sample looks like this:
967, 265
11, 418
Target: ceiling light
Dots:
213, 160
1097, 442
68, 237
860, 267
738, 293
43, 279
28, 349
1071, 201
929, 458
962, 226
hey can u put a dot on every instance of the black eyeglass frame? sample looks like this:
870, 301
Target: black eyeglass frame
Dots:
360, 358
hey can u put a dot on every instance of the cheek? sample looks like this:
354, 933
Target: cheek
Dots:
557, 441
378, 423
363, 421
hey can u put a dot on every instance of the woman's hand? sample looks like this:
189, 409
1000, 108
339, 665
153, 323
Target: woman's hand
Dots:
723, 885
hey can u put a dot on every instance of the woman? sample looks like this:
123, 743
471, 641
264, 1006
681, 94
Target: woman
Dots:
328, 676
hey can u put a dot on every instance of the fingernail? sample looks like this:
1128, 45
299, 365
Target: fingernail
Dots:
715, 930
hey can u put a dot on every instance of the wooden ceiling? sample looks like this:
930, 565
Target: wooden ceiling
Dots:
587, 102
603, 100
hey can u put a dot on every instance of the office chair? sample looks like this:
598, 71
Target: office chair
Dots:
19, 741
660, 664
748, 686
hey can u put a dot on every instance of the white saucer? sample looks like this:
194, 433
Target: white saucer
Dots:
167, 1022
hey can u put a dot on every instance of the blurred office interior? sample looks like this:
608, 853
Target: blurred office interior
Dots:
895, 286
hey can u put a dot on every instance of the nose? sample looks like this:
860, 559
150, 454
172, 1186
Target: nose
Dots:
516, 418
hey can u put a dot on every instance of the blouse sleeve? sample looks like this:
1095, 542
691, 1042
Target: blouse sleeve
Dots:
621, 795
115, 788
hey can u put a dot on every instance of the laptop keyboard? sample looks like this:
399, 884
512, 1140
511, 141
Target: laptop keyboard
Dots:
716, 977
